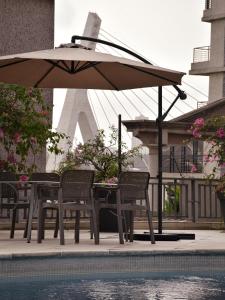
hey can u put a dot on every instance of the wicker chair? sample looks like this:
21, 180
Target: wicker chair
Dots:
47, 199
76, 194
131, 196
11, 199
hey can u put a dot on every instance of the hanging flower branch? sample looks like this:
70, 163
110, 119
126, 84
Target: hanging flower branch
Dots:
25, 128
212, 131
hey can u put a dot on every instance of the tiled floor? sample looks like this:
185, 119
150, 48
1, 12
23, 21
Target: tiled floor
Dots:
204, 240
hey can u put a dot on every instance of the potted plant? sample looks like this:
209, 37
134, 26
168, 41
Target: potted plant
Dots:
212, 131
101, 156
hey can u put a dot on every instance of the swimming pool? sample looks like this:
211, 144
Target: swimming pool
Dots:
177, 275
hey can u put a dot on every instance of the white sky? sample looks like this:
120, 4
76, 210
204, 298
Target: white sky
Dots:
164, 31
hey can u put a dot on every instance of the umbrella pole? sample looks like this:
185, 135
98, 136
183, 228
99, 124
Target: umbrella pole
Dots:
181, 95
159, 125
119, 145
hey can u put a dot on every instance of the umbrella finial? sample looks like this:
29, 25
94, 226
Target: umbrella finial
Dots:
73, 45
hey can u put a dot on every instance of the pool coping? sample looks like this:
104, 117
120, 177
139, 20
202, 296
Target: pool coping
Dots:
111, 253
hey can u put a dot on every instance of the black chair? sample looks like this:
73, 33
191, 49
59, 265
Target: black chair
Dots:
131, 196
11, 198
47, 198
76, 194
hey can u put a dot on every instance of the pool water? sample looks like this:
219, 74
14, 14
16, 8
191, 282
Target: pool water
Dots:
160, 287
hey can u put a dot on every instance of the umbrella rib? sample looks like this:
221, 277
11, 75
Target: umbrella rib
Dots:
86, 66
14, 63
103, 75
150, 73
44, 76
57, 65
63, 62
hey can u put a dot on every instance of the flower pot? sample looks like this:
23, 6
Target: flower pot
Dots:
221, 197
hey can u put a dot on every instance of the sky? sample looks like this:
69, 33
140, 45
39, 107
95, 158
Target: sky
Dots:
164, 31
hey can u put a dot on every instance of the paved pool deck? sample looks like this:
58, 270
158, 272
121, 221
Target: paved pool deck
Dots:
205, 240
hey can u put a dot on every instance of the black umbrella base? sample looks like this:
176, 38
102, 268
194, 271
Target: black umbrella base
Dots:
164, 236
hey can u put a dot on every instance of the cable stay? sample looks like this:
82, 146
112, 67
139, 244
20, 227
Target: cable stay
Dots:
118, 40
93, 109
104, 112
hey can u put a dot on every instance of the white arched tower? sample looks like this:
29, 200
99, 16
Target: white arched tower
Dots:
76, 108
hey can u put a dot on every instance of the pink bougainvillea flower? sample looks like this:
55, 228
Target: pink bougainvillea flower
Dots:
23, 178
1, 133
220, 133
17, 137
11, 158
196, 133
206, 158
44, 113
112, 180
193, 169
33, 140
213, 143
200, 122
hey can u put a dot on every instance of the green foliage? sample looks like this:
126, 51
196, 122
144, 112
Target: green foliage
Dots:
25, 128
172, 203
212, 131
103, 158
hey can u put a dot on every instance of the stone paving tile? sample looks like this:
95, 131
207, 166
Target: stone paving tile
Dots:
109, 243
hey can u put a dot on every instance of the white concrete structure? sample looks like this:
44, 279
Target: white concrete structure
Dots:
210, 60
76, 108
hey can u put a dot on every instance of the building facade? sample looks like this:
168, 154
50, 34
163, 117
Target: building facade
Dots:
27, 25
210, 60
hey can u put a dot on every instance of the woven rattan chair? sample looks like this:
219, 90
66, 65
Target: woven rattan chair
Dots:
11, 199
76, 194
47, 200
131, 196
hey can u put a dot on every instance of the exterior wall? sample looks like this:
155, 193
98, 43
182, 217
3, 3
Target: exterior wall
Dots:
27, 25
215, 67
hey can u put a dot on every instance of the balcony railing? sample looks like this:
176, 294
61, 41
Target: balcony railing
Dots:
182, 163
201, 54
208, 4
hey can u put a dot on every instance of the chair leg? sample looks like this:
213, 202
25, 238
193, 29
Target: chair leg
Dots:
61, 226
124, 215
131, 225
25, 230
56, 224
96, 212
95, 226
44, 213
91, 227
119, 217
77, 227
13, 223
150, 223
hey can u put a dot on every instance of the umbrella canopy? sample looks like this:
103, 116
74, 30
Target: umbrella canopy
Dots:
70, 66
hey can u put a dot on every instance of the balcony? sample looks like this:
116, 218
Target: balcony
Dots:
208, 4
201, 54
201, 61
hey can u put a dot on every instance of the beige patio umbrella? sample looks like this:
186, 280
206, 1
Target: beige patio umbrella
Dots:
74, 66
70, 66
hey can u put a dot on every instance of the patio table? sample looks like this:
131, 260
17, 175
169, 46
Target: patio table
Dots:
106, 192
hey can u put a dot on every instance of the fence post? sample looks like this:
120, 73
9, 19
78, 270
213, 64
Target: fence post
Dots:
194, 194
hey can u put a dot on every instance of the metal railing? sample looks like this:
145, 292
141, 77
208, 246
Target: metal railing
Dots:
189, 199
208, 4
201, 54
182, 163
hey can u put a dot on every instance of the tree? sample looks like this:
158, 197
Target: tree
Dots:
104, 158
25, 128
